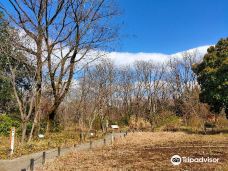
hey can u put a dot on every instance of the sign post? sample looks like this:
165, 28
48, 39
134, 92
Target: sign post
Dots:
12, 135
114, 127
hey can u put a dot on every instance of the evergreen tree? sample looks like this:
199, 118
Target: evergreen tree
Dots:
212, 75
10, 56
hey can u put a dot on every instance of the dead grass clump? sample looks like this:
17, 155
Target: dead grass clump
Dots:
138, 123
195, 123
222, 122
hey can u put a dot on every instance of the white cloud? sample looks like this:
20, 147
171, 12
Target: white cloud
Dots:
126, 58
119, 58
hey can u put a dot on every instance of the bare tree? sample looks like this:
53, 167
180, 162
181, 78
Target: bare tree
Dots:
182, 83
149, 88
125, 85
100, 79
63, 33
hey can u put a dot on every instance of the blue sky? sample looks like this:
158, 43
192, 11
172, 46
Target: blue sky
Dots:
170, 26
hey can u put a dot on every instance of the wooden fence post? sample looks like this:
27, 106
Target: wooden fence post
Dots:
84, 136
90, 144
58, 151
112, 139
32, 165
43, 158
81, 136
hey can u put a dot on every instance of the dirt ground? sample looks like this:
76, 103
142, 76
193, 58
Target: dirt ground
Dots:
148, 151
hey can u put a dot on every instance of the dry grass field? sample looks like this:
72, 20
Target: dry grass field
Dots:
148, 151
53, 140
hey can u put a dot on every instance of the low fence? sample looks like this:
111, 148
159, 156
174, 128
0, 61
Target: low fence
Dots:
41, 159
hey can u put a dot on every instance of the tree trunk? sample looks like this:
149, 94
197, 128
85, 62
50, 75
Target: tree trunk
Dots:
34, 124
51, 118
48, 127
24, 129
31, 132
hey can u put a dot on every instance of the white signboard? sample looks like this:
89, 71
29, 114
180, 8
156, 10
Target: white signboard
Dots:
114, 126
12, 135
41, 136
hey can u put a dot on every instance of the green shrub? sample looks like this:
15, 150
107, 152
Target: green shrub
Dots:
28, 127
6, 123
172, 126
124, 120
167, 118
209, 125
168, 121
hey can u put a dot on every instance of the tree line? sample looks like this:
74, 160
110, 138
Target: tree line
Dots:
145, 89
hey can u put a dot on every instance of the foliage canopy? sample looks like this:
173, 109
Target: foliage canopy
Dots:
212, 75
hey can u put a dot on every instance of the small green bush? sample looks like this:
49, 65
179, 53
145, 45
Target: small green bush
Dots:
124, 120
28, 127
209, 125
168, 121
167, 118
6, 123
